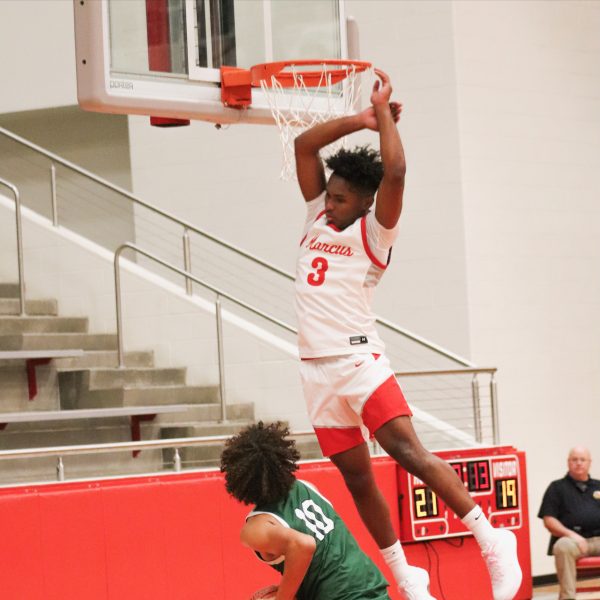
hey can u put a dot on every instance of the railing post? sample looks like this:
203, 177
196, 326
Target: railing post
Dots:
375, 448
53, 195
221, 359
476, 408
218, 292
20, 267
494, 402
119, 310
187, 260
177, 460
60, 469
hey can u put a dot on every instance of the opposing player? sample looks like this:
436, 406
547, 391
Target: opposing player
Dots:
348, 383
293, 527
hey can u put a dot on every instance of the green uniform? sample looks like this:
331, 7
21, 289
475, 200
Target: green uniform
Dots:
339, 569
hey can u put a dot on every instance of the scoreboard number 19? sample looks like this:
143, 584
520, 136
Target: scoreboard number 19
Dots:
506, 493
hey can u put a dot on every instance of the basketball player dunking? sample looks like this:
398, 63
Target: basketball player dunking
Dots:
348, 383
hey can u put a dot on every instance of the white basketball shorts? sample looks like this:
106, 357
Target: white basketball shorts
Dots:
349, 398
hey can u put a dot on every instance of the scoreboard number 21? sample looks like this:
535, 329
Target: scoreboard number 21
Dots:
426, 503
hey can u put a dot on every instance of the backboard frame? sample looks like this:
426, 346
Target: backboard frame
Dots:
196, 95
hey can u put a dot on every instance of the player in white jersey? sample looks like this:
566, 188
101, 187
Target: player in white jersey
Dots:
348, 384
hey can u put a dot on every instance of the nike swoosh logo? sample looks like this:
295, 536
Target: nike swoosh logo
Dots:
357, 364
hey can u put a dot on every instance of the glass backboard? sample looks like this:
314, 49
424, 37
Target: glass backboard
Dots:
163, 57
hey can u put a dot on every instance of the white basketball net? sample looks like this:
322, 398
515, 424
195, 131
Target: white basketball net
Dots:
299, 107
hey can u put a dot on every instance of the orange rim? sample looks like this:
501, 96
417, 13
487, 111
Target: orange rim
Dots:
265, 73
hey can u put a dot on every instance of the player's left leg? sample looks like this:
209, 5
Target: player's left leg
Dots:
355, 466
399, 439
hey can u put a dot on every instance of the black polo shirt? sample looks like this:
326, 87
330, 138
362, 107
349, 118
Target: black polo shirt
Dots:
576, 504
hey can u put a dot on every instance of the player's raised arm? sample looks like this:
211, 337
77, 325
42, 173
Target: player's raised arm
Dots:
309, 166
391, 189
268, 537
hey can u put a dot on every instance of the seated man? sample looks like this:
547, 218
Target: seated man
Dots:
571, 513
293, 527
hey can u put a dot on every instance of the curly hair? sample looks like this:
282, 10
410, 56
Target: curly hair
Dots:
259, 463
361, 168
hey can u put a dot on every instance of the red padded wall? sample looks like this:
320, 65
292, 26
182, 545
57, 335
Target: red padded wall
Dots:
174, 537
72, 529
21, 553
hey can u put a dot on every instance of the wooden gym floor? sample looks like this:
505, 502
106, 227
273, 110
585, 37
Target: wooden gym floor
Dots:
550, 592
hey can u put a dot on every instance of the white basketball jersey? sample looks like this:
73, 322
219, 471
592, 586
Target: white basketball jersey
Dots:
336, 275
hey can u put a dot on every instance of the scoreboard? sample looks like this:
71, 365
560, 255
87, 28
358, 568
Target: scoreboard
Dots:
492, 476
435, 539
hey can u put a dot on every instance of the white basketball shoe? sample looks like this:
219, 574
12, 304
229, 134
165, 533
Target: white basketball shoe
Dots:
416, 585
500, 555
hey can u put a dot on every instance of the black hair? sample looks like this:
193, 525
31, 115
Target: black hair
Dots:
259, 463
361, 167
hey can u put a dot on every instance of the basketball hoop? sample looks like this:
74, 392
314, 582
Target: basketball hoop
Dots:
300, 94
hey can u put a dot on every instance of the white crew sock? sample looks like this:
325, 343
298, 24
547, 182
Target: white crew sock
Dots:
396, 560
479, 526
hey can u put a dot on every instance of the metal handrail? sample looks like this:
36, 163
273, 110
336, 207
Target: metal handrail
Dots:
50, 451
473, 370
115, 188
187, 226
20, 265
423, 342
474, 392
188, 277
175, 443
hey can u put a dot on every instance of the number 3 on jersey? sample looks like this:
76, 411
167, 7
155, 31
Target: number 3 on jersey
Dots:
318, 277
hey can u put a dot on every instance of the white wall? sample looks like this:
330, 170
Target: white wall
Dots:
529, 117
37, 46
96, 142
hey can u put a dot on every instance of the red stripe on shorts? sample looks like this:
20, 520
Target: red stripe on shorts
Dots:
385, 403
334, 440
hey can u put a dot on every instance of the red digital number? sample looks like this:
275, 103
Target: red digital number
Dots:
318, 277
478, 476
458, 469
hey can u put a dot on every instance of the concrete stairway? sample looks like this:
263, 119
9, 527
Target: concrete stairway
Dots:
9, 303
93, 381
97, 387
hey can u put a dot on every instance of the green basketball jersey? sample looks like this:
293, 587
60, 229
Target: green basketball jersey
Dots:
339, 569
